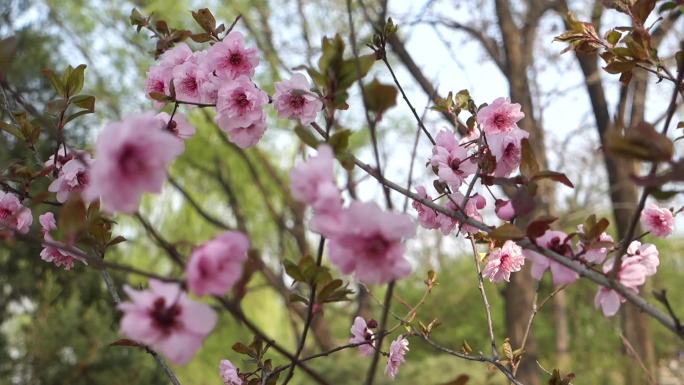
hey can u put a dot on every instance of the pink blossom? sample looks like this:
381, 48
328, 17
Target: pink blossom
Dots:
472, 210
556, 241
427, 217
646, 254
231, 59
13, 214
397, 356
229, 373
179, 54
595, 254
248, 136
187, 79
507, 149
452, 160
361, 333
504, 209
293, 100
132, 157
62, 159
215, 266
72, 177
500, 116
55, 254
158, 81
179, 126
239, 104
503, 261
632, 274
369, 243
165, 319
658, 221
313, 182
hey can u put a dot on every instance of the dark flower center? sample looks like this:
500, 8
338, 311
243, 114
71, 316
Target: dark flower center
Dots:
297, 101
454, 165
500, 120
375, 245
165, 318
242, 101
130, 161
559, 247
190, 84
173, 127
82, 178
4, 213
511, 151
235, 58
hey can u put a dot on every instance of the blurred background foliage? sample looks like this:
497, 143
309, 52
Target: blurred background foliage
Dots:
56, 325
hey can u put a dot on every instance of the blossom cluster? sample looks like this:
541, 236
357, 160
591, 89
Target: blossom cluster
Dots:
363, 239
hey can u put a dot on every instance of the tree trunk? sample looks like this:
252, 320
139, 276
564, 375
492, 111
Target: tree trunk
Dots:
560, 323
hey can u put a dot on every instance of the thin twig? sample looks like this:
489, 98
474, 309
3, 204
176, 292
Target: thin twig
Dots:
485, 301
309, 315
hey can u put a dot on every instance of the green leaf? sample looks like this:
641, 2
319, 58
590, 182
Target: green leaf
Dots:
74, 84
293, 270
346, 159
332, 48
54, 80
555, 176
328, 289
243, 349
307, 137
201, 37
86, 102
205, 19
11, 130
380, 97
507, 231
77, 114
642, 142
339, 141
528, 164
351, 71
72, 216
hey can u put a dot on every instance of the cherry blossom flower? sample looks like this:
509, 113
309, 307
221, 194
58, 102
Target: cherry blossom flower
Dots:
248, 136
595, 254
658, 221
632, 274
361, 333
229, 373
293, 100
13, 214
179, 54
452, 160
397, 356
52, 253
507, 149
158, 81
215, 266
313, 182
231, 59
239, 104
132, 157
72, 177
472, 210
646, 254
179, 126
556, 241
427, 217
501, 262
504, 209
369, 243
500, 116
165, 319
187, 79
